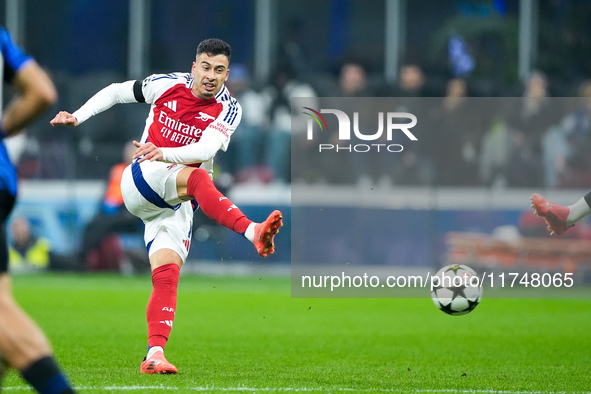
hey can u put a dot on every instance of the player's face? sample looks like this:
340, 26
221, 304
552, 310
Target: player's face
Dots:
210, 73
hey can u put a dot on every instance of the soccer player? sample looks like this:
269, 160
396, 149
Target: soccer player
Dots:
22, 343
192, 116
558, 217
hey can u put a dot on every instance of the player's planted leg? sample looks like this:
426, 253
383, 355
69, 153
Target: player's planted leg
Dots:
161, 310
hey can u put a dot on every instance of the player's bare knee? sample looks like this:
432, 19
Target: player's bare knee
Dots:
182, 179
186, 175
163, 257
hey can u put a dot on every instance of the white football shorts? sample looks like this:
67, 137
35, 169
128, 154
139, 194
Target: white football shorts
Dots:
149, 192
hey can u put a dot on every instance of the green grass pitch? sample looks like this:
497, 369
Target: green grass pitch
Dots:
249, 335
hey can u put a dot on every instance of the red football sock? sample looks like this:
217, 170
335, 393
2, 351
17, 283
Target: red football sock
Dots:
214, 204
162, 304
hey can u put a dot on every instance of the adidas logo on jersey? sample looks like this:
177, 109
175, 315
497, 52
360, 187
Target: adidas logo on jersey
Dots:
204, 117
171, 105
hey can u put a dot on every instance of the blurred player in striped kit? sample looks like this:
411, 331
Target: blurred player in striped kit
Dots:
22, 343
192, 116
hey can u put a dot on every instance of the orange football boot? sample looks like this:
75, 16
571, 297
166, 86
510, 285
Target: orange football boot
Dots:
157, 364
554, 214
264, 233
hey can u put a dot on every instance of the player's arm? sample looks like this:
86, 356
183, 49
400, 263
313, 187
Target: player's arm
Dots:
116, 93
35, 93
199, 152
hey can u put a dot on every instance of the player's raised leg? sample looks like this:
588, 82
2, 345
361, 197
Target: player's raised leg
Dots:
196, 183
560, 218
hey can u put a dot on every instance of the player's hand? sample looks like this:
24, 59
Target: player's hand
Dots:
147, 151
64, 118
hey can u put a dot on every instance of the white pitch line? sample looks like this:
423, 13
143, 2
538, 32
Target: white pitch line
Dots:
299, 389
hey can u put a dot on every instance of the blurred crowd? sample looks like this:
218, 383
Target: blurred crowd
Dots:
520, 138
536, 139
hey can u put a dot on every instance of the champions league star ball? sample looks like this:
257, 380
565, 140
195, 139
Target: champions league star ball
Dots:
455, 289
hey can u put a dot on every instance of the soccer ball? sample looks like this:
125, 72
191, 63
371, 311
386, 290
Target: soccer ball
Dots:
456, 289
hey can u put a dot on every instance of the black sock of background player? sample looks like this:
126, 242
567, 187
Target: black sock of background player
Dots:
46, 377
588, 199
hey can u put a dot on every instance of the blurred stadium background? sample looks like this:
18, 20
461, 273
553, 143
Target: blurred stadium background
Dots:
342, 48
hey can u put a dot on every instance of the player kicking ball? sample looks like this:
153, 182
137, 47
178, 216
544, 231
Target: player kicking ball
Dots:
192, 116
558, 217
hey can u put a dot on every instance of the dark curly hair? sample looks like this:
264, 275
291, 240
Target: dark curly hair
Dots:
213, 47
